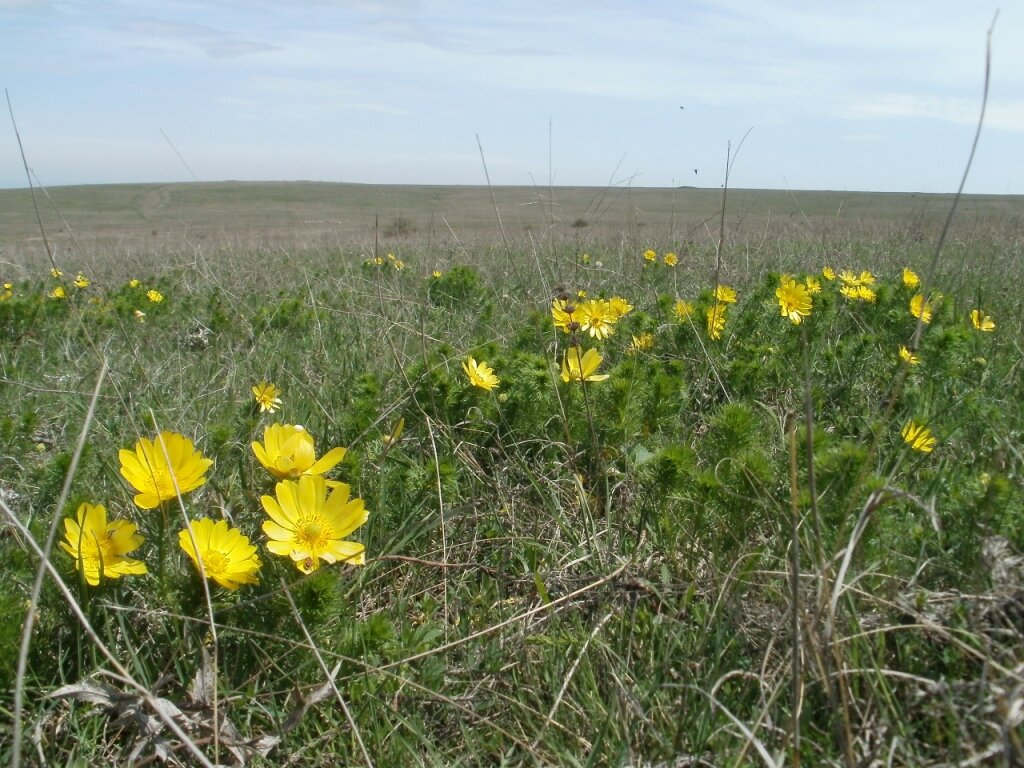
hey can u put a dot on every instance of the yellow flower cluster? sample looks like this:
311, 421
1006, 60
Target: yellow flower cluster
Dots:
857, 287
308, 517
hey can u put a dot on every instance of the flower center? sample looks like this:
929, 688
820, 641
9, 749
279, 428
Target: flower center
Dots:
214, 562
312, 534
98, 549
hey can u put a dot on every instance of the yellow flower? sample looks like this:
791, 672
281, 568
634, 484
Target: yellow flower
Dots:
58, 293
582, 367
910, 278
268, 396
8, 286
563, 315
848, 278
920, 308
650, 255
828, 273
585, 258
597, 317
288, 451
399, 264
134, 283
308, 526
581, 294
865, 294
671, 259
224, 554
716, 321
641, 342
480, 374
619, 306
54, 272
154, 295
866, 278
99, 547
850, 292
724, 294
812, 285
918, 437
160, 469
794, 300
682, 309
81, 281
139, 315
436, 274
981, 321
908, 357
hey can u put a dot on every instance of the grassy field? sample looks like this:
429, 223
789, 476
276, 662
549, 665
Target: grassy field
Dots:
761, 542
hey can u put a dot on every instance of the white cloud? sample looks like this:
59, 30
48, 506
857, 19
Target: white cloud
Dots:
1003, 115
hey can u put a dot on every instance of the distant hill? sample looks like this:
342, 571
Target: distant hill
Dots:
315, 214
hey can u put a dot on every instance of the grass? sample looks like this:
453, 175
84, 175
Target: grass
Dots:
556, 573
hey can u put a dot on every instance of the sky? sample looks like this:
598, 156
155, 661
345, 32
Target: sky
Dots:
867, 95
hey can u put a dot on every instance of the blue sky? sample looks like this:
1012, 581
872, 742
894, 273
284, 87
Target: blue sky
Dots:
859, 95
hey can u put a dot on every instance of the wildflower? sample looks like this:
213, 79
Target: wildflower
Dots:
139, 315
828, 273
585, 258
597, 317
850, 292
81, 281
399, 264
308, 526
641, 342
480, 374
908, 357
682, 309
581, 294
651, 256
562, 314
619, 306
8, 286
794, 300
268, 396
436, 274
671, 259
288, 451
981, 321
716, 321
864, 293
55, 273
866, 278
582, 367
220, 553
99, 547
812, 285
134, 283
724, 294
848, 278
160, 469
154, 296
920, 308
918, 437
910, 278
58, 293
